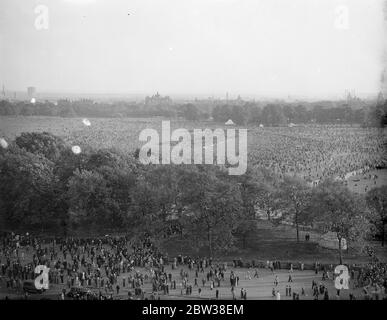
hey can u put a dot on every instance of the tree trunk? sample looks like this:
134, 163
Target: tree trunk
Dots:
298, 233
210, 241
383, 232
340, 253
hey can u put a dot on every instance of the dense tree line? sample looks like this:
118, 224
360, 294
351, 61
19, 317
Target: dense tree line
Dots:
279, 115
85, 108
243, 113
45, 186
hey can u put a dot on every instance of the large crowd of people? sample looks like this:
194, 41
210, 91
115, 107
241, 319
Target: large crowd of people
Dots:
317, 153
121, 267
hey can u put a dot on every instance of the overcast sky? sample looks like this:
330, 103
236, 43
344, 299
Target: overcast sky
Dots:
297, 47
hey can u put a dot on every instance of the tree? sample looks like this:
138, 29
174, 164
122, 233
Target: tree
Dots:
157, 203
249, 186
44, 143
266, 200
238, 115
253, 113
101, 193
294, 198
336, 209
32, 198
68, 163
190, 112
289, 113
48, 186
6, 108
273, 115
377, 115
301, 114
266, 195
100, 158
222, 113
213, 209
91, 202
377, 201
67, 111
144, 215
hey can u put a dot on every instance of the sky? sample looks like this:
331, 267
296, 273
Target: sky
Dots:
310, 48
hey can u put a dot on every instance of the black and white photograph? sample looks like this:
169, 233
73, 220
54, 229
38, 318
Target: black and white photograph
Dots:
204, 151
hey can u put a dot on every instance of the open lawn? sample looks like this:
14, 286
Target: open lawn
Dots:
278, 243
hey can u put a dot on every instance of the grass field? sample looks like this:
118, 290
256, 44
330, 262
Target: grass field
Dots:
332, 144
279, 242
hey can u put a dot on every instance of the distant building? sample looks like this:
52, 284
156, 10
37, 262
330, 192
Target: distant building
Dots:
86, 101
157, 99
31, 91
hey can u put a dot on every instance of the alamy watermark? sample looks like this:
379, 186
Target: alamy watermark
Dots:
188, 149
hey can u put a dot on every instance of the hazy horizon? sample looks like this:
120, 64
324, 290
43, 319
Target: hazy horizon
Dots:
276, 48
47, 95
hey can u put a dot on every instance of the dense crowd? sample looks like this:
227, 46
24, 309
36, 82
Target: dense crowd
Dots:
316, 153
75, 262
105, 267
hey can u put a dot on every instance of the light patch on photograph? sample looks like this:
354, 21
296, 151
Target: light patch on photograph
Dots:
76, 149
86, 122
3, 143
